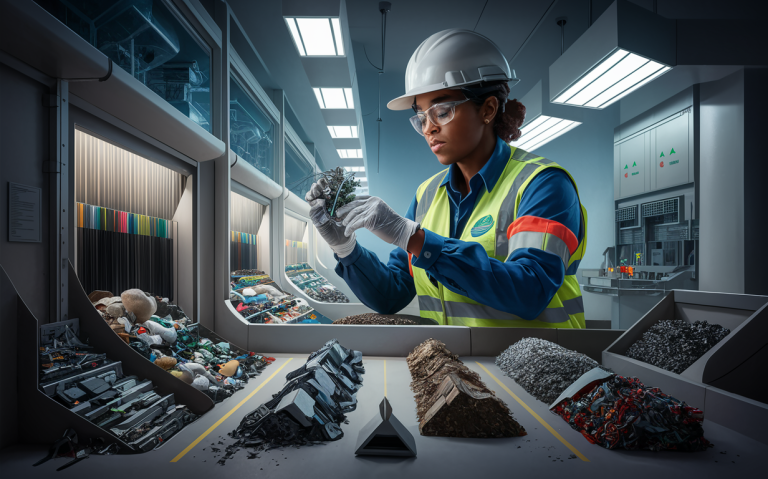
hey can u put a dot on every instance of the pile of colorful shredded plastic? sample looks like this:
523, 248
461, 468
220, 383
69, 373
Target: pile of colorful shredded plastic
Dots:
622, 413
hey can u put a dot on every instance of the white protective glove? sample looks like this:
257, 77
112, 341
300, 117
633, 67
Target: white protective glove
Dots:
374, 214
332, 233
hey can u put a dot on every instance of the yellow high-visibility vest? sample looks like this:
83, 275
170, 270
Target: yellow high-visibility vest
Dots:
494, 224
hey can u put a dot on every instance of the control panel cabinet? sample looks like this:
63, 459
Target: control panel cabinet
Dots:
670, 155
654, 159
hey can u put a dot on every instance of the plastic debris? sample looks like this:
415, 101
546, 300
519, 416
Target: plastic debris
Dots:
544, 369
311, 407
452, 400
622, 413
674, 345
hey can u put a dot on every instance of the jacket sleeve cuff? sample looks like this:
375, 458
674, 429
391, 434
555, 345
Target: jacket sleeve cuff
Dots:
433, 247
352, 257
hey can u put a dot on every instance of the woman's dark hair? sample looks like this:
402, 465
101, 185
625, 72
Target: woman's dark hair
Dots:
511, 113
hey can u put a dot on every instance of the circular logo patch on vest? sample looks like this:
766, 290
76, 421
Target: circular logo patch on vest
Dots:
482, 226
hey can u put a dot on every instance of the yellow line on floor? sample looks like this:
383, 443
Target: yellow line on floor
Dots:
538, 418
224, 417
385, 378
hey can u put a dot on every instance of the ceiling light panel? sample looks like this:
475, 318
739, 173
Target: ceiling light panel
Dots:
618, 75
627, 47
316, 36
294, 29
346, 153
334, 98
342, 131
545, 132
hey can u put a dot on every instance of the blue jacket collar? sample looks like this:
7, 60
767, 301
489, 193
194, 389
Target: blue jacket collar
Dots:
489, 173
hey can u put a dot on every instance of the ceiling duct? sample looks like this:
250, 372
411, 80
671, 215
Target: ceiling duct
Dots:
627, 47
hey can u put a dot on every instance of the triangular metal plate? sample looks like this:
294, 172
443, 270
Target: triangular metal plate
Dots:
384, 435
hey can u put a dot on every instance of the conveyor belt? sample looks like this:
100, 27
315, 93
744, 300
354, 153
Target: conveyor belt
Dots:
539, 454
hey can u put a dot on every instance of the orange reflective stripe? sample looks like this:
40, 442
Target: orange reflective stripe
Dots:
410, 263
541, 225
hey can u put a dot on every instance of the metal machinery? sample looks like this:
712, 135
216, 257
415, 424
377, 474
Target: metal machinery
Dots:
655, 197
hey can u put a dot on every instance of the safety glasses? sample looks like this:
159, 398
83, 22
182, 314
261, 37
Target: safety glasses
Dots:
438, 114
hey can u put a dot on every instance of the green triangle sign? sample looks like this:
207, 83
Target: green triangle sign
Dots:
634, 164
626, 166
662, 155
672, 152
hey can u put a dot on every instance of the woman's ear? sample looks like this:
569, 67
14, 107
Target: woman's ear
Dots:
490, 108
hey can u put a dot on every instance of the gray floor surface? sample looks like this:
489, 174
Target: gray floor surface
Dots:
539, 454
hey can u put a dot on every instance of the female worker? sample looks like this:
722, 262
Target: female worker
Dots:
496, 238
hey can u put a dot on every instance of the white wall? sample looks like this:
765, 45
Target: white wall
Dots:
721, 203
184, 242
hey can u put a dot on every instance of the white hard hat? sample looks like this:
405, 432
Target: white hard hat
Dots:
452, 58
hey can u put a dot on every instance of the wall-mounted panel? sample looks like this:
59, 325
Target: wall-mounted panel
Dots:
670, 155
631, 167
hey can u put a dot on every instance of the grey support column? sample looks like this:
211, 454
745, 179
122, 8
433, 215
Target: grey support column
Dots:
57, 168
277, 213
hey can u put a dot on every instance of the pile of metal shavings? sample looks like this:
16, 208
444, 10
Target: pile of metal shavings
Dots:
452, 400
675, 344
544, 369
373, 318
340, 190
309, 409
622, 413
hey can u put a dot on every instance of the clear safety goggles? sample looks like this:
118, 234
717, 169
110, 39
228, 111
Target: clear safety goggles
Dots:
438, 114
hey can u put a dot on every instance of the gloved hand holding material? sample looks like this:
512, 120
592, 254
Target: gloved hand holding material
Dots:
373, 214
332, 233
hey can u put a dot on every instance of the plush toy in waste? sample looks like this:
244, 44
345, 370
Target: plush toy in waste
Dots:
166, 362
168, 334
140, 304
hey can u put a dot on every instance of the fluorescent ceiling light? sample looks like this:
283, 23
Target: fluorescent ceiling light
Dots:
542, 130
296, 36
317, 36
343, 131
346, 153
319, 97
618, 75
337, 36
336, 98
362, 178
355, 169
627, 47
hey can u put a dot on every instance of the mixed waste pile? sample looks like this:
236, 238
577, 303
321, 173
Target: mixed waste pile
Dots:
544, 369
622, 413
93, 386
163, 334
376, 319
313, 284
674, 345
311, 406
258, 299
452, 400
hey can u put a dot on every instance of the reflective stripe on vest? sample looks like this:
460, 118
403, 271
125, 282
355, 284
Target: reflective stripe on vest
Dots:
429, 194
428, 303
546, 235
481, 311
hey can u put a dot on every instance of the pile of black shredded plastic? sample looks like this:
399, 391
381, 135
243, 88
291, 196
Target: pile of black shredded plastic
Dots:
674, 345
622, 413
544, 369
327, 384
